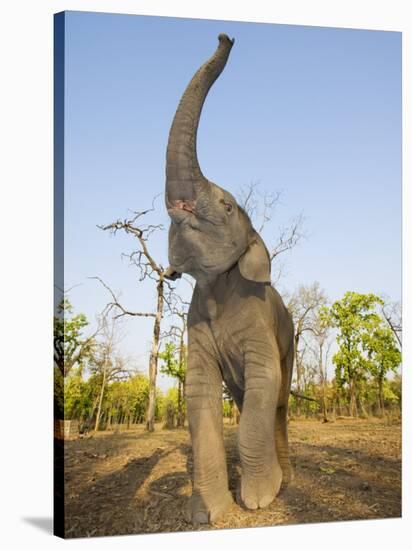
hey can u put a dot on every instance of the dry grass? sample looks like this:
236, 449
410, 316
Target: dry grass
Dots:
134, 482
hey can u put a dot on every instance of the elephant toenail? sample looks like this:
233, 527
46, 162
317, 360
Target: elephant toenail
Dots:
200, 517
265, 501
251, 504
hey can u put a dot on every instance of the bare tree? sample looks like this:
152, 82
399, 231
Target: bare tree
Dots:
320, 348
105, 361
149, 269
303, 305
178, 309
260, 207
392, 313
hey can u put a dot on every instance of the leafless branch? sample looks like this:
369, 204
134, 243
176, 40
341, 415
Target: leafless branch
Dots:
142, 233
258, 205
115, 304
67, 290
288, 238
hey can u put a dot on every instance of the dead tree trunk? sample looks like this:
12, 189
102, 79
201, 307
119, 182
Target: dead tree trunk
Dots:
154, 355
298, 374
181, 384
149, 269
99, 407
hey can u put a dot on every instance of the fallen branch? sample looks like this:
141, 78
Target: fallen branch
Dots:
300, 396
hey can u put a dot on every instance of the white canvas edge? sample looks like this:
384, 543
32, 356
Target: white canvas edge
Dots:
26, 274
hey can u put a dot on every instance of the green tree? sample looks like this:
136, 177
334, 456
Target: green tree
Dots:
70, 346
138, 391
354, 316
174, 364
71, 349
74, 389
168, 408
383, 356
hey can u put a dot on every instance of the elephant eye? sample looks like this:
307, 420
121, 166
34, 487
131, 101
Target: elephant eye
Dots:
228, 207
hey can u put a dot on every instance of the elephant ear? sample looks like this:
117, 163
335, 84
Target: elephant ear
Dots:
254, 264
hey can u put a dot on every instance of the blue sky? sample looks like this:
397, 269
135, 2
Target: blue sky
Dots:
312, 112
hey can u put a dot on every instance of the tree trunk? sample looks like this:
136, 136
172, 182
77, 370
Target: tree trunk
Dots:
353, 409
298, 375
323, 382
179, 404
362, 407
170, 417
338, 401
92, 412
324, 408
180, 397
380, 397
99, 408
154, 354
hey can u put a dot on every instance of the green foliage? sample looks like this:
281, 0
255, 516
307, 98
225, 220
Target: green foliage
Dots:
127, 398
354, 318
73, 393
382, 351
227, 408
367, 347
172, 364
367, 353
170, 399
395, 387
70, 346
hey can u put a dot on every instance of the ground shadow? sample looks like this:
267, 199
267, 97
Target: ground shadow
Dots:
355, 484
44, 524
102, 507
332, 483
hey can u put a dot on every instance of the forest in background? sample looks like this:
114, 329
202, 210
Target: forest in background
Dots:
101, 389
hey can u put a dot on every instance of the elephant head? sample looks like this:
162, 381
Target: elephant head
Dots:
209, 231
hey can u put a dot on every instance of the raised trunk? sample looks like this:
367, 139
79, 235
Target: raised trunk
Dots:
183, 174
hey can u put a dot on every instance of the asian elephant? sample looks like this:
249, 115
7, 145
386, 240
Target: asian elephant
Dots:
239, 330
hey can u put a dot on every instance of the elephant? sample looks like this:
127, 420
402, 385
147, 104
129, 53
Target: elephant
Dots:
239, 330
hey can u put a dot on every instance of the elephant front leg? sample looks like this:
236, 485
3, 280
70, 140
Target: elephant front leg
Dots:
210, 497
261, 471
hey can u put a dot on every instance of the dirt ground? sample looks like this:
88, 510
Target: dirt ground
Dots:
135, 482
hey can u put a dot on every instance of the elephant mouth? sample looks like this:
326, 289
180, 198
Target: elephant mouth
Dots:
181, 210
182, 204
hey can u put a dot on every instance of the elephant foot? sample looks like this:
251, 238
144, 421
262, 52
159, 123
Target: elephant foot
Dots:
259, 492
208, 508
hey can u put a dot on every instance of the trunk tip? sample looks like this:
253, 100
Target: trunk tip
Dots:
223, 38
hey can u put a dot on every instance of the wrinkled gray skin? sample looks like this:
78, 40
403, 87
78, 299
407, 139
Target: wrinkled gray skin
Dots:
239, 329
